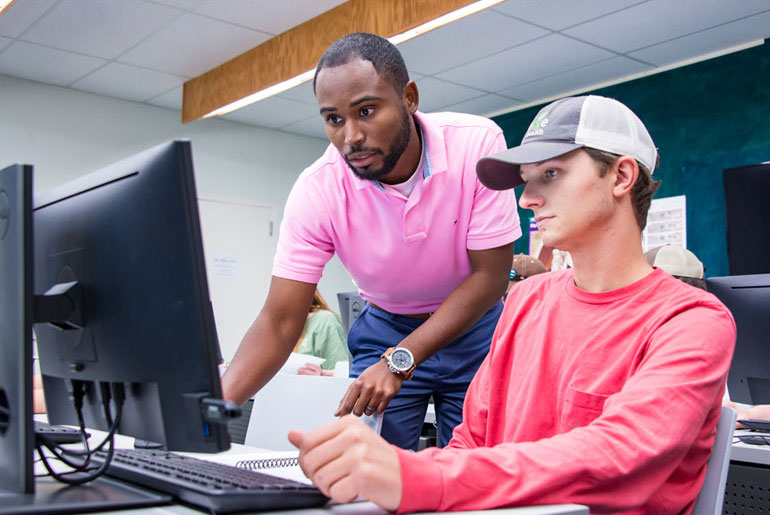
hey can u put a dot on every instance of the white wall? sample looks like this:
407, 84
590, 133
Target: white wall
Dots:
65, 133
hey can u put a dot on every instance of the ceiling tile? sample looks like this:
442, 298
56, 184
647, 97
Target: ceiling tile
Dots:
466, 40
579, 78
535, 60
187, 5
43, 64
629, 29
302, 93
171, 99
435, 93
179, 48
312, 127
560, 14
701, 43
266, 15
273, 112
483, 105
129, 82
106, 28
21, 15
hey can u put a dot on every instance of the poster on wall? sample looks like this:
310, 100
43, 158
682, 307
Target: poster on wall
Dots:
666, 223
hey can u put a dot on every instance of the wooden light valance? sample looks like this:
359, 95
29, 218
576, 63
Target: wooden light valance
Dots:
299, 49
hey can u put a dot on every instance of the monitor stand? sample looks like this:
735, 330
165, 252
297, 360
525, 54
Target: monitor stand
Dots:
101, 494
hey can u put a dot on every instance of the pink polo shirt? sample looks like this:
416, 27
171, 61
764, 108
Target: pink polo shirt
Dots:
405, 254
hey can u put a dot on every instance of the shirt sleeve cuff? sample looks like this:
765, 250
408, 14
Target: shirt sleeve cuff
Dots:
422, 487
495, 241
294, 275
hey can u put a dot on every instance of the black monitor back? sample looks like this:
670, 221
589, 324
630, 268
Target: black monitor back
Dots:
748, 298
129, 234
747, 192
16, 436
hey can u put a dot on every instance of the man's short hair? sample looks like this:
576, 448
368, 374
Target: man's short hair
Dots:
383, 55
642, 190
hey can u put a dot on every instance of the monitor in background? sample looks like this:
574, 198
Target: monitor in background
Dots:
16, 436
747, 189
124, 245
748, 298
351, 305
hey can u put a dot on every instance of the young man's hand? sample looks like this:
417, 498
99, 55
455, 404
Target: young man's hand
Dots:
371, 392
347, 460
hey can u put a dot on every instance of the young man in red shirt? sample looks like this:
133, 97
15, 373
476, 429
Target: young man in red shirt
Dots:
603, 383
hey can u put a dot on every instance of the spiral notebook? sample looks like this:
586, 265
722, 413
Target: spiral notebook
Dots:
268, 463
276, 463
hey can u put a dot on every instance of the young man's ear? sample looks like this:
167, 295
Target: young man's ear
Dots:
411, 97
626, 173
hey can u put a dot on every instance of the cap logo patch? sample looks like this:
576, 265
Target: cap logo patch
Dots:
537, 126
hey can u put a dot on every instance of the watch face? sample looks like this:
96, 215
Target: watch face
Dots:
401, 359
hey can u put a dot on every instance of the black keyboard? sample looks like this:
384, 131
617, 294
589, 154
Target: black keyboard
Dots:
213, 486
57, 434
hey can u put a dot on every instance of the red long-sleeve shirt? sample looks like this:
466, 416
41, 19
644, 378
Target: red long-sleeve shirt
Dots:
604, 399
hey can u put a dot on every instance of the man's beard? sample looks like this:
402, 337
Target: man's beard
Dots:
389, 161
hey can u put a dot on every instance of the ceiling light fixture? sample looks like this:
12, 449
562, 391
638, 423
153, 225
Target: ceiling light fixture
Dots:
280, 87
446, 19
5, 4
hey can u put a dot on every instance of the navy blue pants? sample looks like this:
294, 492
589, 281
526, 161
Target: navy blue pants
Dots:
445, 376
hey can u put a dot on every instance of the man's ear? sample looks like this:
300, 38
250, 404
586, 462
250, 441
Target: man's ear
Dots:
626, 173
411, 97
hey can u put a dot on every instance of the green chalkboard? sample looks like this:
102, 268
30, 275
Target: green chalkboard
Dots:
704, 118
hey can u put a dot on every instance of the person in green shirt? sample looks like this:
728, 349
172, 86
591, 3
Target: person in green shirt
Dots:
324, 337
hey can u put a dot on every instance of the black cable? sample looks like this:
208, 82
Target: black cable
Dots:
91, 473
62, 476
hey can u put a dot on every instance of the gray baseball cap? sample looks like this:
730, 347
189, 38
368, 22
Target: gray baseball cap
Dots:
565, 125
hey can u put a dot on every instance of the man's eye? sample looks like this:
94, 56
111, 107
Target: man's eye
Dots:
366, 111
333, 119
550, 174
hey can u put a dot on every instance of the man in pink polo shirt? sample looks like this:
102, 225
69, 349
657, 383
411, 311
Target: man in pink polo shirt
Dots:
604, 382
429, 247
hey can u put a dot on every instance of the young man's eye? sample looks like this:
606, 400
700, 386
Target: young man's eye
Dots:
366, 111
550, 174
333, 119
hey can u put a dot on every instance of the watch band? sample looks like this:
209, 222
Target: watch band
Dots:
407, 374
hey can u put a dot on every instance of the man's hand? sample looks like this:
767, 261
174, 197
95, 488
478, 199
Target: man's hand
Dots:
347, 460
371, 391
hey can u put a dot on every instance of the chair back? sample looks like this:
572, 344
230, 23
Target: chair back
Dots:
291, 401
711, 496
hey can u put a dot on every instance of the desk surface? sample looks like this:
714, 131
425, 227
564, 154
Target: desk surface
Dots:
357, 508
749, 453
367, 508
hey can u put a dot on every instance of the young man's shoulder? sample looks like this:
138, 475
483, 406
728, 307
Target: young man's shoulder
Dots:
677, 290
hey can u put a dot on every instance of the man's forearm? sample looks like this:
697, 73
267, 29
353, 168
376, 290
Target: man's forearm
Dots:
255, 363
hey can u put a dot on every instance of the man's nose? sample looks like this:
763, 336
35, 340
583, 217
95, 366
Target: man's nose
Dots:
530, 198
354, 135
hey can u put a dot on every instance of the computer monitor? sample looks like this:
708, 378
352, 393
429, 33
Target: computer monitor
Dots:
748, 298
20, 492
128, 238
16, 436
747, 189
